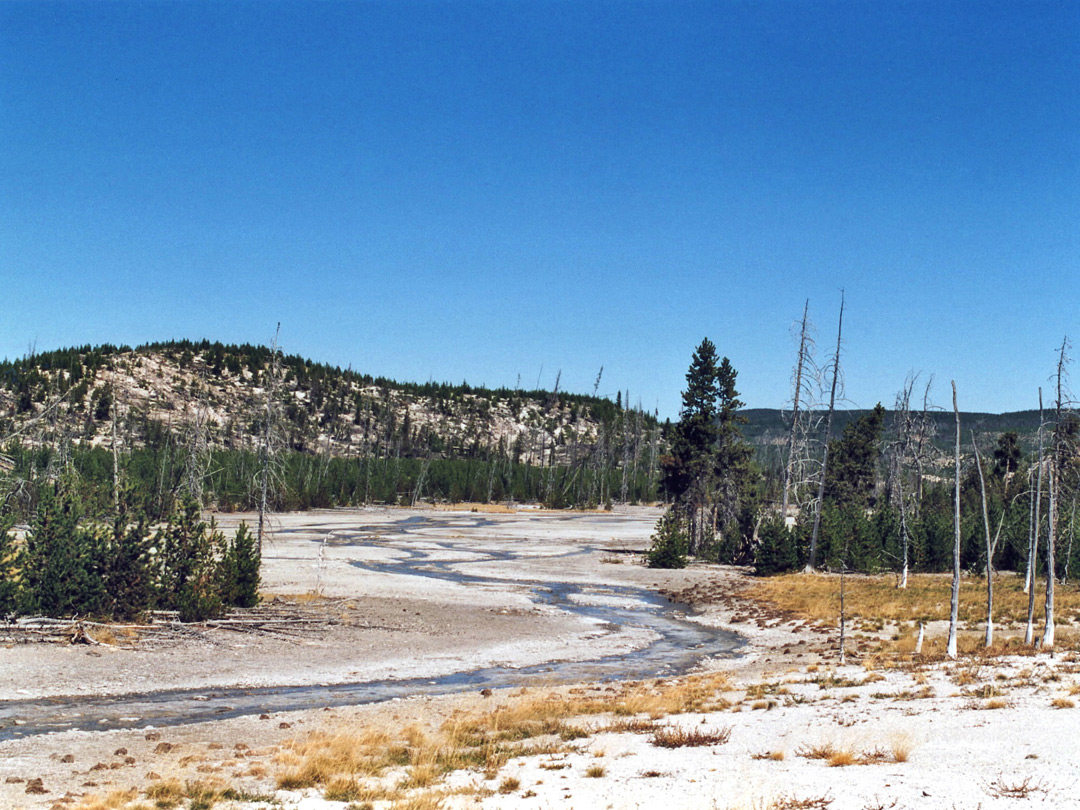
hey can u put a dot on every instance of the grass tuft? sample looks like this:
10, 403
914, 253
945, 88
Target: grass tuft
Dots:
678, 737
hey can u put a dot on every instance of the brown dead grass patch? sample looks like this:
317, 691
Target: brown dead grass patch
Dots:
679, 737
469, 506
351, 762
816, 597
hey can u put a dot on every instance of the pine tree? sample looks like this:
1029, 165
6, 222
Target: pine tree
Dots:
188, 565
55, 571
128, 569
11, 564
776, 552
240, 570
708, 471
668, 549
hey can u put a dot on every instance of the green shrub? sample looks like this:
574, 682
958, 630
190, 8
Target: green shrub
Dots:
669, 543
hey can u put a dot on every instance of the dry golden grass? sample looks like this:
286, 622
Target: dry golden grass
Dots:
595, 771
1063, 703
876, 599
841, 758
901, 746
162, 794
469, 506
114, 800
836, 756
350, 762
679, 737
509, 785
773, 756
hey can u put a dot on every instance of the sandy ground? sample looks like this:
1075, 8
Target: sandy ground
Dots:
970, 735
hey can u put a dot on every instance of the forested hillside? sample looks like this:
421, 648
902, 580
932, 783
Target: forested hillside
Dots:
194, 417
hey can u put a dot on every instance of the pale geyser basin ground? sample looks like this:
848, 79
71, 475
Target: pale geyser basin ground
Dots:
962, 748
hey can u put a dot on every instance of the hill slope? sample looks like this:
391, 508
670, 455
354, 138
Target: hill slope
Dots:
75, 395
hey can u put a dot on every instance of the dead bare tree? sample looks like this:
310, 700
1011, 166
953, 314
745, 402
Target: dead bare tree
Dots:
804, 358
828, 435
989, 548
269, 439
910, 436
197, 457
1033, 536
1057, 464
954, 604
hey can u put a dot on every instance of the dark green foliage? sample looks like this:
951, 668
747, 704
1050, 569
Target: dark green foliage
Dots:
128, 573
10, 568
709, 473
188, 565
1007, 454
776, 550
239, 571
668, 549
64, 563
853, 460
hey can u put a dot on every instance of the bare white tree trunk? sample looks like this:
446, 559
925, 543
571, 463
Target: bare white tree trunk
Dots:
810, 563
1048, 628
843, 611
989, 549
795, 411
115, 462
1057, 465
907, 427
1033, 537
954, 605
266, 449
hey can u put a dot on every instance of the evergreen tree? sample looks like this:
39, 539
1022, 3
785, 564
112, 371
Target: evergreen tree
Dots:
188, 565
668, 549
708, 469
128, 574
240, 570
11, 564
852, 474
51, 563
776, 551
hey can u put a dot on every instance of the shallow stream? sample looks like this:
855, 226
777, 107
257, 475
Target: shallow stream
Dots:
680, 644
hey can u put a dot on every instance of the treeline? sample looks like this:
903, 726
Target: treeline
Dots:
153, 481
883, 502
67, 565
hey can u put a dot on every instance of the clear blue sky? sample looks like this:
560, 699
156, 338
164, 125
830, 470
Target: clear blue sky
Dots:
487, 191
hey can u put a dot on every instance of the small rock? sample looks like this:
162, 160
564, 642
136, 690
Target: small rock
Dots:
284, 725
485, 692
264, 717
36, 786
153, 735
120, 752
101, 766
129, 760
163, 748
14, 780
67, 758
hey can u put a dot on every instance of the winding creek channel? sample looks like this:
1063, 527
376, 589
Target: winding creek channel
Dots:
419, 546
